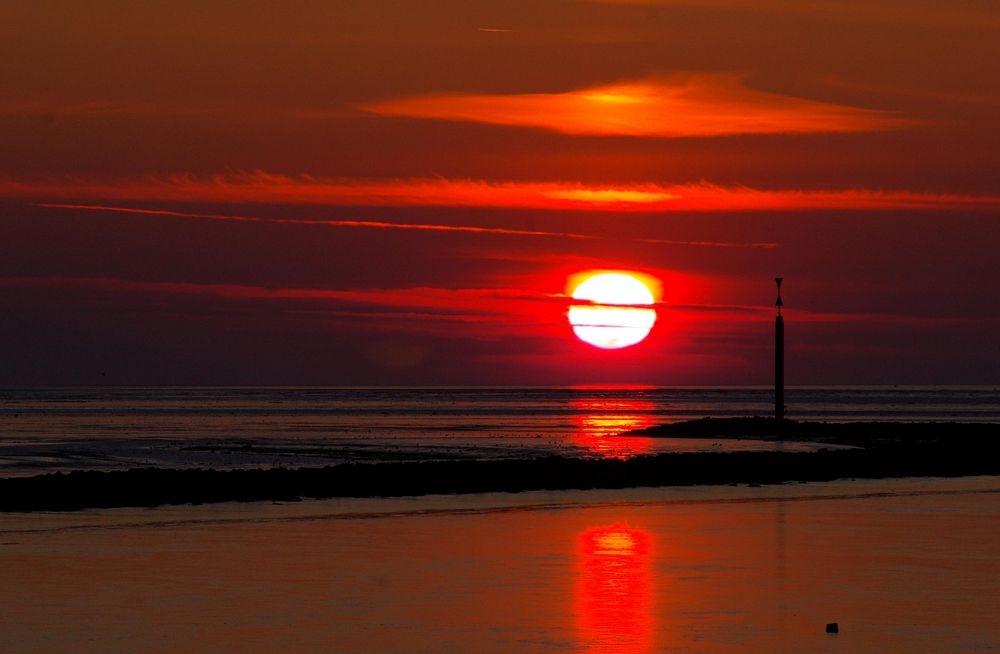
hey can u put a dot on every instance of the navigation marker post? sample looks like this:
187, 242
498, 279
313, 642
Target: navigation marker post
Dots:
779, 358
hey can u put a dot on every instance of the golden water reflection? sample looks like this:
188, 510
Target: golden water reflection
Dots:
599, 424
614, 595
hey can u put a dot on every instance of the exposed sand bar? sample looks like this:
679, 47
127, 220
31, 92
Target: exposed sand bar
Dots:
902, 565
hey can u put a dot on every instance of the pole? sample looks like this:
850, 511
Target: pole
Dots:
779, 358
779, 368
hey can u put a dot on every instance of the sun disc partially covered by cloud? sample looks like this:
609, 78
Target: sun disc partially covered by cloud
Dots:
618, 312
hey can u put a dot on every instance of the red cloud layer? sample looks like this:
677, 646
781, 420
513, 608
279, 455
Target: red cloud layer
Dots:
258, 186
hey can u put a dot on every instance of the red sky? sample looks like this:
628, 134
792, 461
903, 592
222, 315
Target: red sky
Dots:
397, 193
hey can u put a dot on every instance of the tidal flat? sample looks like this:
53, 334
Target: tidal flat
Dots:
837, 451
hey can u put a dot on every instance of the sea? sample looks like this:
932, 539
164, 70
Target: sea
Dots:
62, 429
900, 565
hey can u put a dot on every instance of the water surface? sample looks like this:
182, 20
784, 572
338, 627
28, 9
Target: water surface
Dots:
903, 566
42, 430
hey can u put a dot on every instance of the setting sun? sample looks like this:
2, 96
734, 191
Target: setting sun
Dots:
619, 312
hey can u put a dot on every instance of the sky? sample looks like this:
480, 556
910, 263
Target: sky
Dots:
399, 193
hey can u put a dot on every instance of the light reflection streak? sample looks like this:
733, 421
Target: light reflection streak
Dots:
600, 422
614, 599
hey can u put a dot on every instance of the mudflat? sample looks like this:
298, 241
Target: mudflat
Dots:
857, 450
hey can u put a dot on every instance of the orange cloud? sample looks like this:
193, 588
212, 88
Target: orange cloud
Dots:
262, 187
670, 106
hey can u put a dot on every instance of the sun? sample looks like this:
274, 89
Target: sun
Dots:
616, 315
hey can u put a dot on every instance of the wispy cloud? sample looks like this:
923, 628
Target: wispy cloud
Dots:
377, 224
262, 187
690, 105
493, 310
497, 306
259, 186
371, 224
481, 300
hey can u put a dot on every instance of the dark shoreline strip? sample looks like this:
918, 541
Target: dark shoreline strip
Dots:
148, 487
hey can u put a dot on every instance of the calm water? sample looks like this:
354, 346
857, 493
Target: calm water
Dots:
58, 429
903, 566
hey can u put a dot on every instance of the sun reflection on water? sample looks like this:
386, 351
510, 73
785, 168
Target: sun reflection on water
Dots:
600, 422
614, 604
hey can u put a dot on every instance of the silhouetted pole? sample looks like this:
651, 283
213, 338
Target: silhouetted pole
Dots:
779, 358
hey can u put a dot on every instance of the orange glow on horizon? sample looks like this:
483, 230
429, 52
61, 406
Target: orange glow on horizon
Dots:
614, 598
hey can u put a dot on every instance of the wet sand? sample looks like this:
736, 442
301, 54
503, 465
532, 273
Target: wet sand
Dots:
902, 565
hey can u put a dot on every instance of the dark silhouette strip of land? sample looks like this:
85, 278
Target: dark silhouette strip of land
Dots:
883, 450
860, 434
